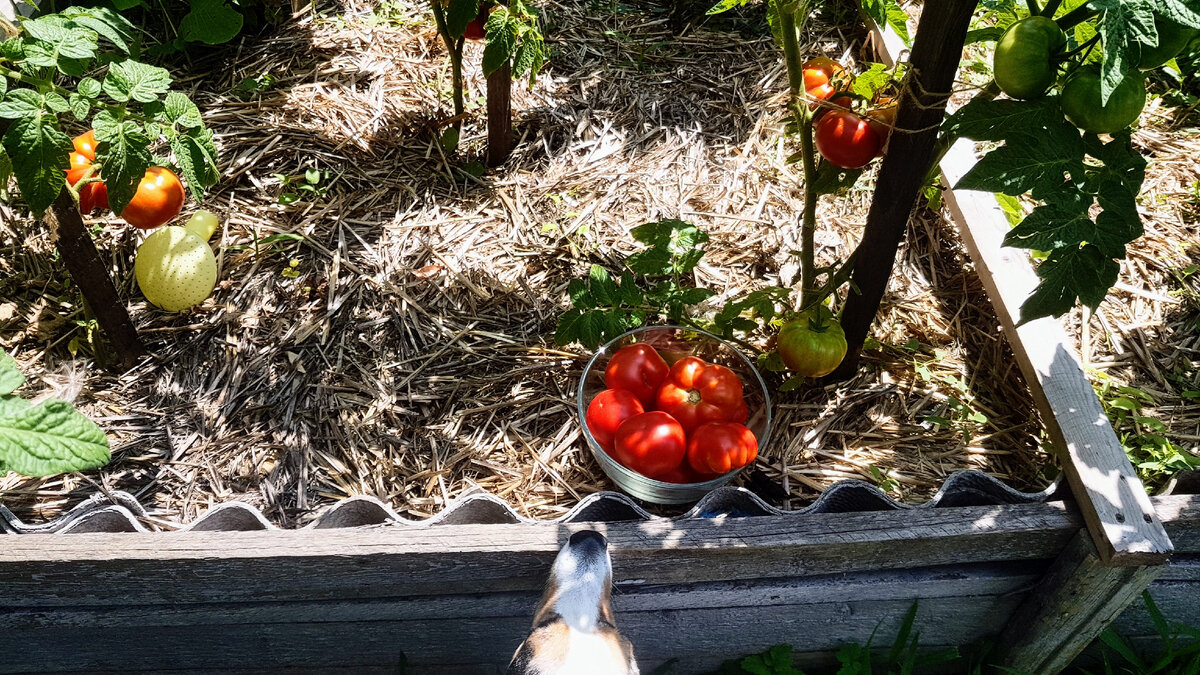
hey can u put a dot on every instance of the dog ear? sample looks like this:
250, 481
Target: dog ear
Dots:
521, 660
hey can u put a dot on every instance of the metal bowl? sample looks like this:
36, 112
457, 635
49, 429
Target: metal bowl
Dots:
674, 343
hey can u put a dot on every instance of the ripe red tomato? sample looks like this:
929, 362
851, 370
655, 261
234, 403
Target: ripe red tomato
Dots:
79, 166
93, 196
475, 29
607, 411
159, 198
684, 473
638, 369
652, 444
696, 392
85, 144
846, 140
820, 79
882, 120
721, 447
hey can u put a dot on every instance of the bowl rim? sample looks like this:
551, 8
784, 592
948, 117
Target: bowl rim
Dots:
594, 445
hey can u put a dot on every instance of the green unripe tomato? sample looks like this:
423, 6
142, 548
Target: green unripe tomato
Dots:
175, 269
1172, 38
1022, 61
1081, 101
813, 344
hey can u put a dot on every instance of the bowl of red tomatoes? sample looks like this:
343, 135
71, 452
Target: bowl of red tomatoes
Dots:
671, 413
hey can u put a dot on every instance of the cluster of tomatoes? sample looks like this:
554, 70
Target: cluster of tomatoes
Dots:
1028, 57
843, 137
158, 199
680, 423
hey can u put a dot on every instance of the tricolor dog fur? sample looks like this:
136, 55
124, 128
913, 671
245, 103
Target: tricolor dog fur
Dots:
574, 631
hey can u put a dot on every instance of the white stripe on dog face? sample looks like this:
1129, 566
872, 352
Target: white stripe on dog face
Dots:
582, 576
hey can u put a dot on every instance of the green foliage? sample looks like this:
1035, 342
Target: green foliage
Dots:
1142, 435
1179, 651
888, 13
44, 439
130, 104
1072, 174
656, 284
211, 22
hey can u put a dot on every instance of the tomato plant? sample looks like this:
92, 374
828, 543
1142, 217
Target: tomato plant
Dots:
652, 444
638, 369
159, 198
607, 411
721, 447
847, 140
1172, 38
812, 344
1085, 187
696, 392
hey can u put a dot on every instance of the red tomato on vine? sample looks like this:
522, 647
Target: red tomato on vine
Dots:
846, 140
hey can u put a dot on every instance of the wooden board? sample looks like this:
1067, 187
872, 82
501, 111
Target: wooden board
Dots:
1123, 524
158, 568
1114, 503
958, 604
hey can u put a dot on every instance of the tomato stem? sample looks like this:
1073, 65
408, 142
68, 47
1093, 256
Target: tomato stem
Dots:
1033, 7
804, 120
41, 85
1077, 16
454, 46
1051, 7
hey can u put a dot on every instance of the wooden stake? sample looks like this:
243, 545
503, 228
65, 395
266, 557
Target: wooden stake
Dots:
934, 61
499, 115
87, 269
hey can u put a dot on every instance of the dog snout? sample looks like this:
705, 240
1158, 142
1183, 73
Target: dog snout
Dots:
588, 541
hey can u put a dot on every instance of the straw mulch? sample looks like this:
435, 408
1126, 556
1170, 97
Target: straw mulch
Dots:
397, 340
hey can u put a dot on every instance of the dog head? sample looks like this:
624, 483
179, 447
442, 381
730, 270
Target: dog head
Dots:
574, 630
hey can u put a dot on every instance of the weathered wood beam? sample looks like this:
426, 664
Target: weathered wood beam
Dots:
1076, 600
499, 115
1113, 500
933, 63
185, 567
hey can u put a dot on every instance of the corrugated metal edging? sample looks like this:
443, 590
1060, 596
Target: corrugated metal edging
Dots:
121, 512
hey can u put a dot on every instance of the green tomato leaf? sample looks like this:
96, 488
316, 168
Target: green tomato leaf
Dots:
773, 22
1026, 163
725, 6
50, 438
1183, 12
580, 295
56, 103
871, 80
89, 87
1118, 224
125, 156
80, 107
211, 21
1123, 23
39, 152
567, 330
1053, 226
197, 159
832, 178
179, 109
56, 37
604, 289
10, 375
1083, 273
1000, 119
6, 172
631, 295
502, 29
104, 21
530, 56
459, 14
132, 80
21, 103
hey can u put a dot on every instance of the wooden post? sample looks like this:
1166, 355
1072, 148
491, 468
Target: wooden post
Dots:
499, 115
83, 262
1076, 600
934, 61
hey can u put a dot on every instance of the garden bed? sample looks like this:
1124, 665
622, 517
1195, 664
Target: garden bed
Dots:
411, 355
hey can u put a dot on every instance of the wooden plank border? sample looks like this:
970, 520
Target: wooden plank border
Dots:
1119, 515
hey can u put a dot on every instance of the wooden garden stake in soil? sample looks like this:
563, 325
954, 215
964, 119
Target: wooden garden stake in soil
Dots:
936, 53
499, 115
87, 270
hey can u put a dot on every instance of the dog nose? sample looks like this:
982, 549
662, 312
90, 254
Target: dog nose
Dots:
587, 539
